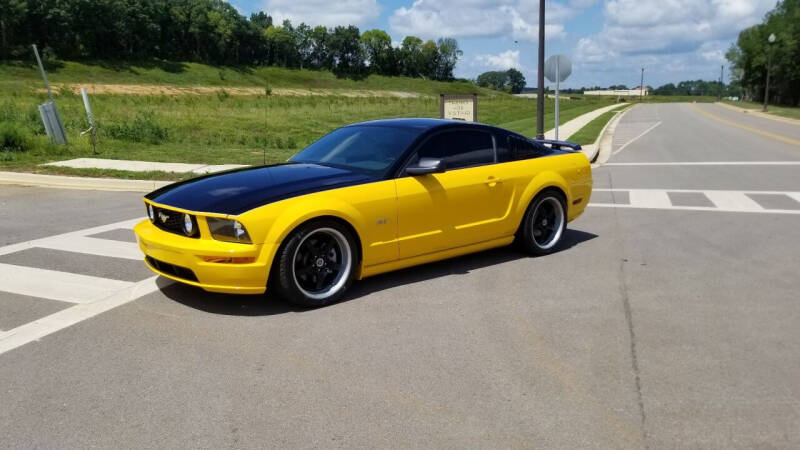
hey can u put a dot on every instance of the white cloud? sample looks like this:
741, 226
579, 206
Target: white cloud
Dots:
483, 18
673, 39
323, 12
502, 61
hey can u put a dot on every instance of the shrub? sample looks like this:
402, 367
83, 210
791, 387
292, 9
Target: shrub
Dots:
143, 128
13, 138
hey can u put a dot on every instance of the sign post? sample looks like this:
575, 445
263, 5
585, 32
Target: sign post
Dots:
48, 111
92, 127
459, 107
557, 69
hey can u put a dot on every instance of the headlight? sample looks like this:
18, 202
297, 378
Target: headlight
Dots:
228, 230
188, 225
150, 213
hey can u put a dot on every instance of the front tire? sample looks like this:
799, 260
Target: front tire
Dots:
316, 263
544, 223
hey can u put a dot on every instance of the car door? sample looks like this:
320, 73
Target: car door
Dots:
466, 204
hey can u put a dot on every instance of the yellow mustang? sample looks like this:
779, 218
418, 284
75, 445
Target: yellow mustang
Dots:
365, 199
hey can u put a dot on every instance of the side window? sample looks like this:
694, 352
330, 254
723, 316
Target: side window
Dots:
468, 148
503, 142
522, 149
433, 147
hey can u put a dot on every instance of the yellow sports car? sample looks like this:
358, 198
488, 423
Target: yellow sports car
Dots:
365, 199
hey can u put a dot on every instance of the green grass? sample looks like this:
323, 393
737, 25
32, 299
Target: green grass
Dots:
591, 131
192, 74
220, 129
783, 111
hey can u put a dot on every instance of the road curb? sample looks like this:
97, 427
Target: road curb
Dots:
606, 139
86, 183
758, 113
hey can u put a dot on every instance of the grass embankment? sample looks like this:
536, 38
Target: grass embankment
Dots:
216, 127
783, 111
591, 131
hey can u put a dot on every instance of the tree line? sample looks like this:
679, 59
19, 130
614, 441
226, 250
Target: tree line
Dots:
210, 32
753, 53
511, 80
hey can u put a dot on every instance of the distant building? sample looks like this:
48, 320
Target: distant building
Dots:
635, 92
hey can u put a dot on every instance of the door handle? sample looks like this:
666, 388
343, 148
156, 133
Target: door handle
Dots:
492, 181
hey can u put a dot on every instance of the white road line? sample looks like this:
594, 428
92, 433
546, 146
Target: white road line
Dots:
637, 137
126, 224
55, 285
724, 201
789, 193
94, 246
710, 163
698, 208
733, 201
38, 329
649, 199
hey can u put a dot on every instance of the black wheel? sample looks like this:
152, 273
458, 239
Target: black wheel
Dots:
316, 263
544, 223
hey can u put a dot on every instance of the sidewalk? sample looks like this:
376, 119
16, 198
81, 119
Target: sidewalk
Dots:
142, 166
568, 129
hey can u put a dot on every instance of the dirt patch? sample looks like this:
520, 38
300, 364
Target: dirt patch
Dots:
151, 89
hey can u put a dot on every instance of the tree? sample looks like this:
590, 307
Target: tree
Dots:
429, 59
516, 81
378, 50
347, 54
411, 56
749, 56
448, 57
496, 80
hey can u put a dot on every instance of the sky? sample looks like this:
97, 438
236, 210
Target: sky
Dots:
608, 41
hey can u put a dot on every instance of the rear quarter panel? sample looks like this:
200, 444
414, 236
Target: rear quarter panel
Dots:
569, 172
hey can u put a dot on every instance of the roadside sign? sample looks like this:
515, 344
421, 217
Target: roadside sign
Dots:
459, 107
557, 69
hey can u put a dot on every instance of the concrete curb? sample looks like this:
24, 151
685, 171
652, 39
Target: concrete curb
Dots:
85, 183
758, 113
606, 139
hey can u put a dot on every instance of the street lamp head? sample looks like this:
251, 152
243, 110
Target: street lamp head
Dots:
771, 38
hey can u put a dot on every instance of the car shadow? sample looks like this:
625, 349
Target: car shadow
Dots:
269, 304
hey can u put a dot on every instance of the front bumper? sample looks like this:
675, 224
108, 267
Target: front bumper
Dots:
169, 249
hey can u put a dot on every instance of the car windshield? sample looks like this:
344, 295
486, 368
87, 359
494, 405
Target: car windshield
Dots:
368, 148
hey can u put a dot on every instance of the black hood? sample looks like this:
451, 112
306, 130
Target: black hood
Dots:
241, 190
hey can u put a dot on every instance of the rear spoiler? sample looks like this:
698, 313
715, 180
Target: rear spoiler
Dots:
557, 145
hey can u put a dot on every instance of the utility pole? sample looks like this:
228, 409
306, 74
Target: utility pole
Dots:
770, 41
540, 77
641, 87
721, 85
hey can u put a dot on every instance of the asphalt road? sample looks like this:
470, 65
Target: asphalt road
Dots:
668, 320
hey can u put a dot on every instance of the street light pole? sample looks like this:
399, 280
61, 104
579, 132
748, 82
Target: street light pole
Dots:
641, 87
770, 41
540, 77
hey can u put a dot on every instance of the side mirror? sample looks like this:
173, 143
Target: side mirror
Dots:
425, 166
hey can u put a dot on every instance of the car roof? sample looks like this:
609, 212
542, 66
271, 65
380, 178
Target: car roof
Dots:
422, 123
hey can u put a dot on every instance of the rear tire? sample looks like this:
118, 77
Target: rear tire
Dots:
544, 223
316, 263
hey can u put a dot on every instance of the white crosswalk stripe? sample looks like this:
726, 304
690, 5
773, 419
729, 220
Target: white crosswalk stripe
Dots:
56, 285
733, 201
90, 295
94, 246
649, 199
721, 201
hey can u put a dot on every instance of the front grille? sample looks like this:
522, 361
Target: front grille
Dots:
172, 269
173, 221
